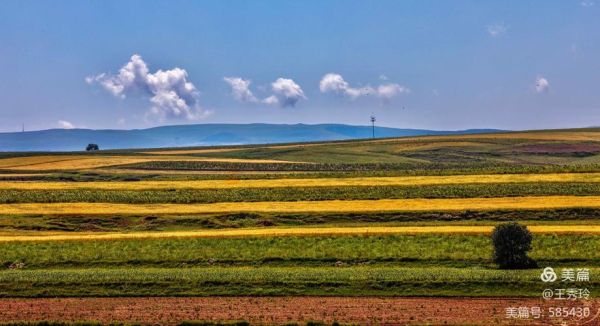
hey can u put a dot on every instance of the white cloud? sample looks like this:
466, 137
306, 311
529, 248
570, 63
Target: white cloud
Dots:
286, 93
335, 83
587, 3
171, 94
542, 85
240, 89
65, 124
121, 121
497, 29
271, 100
388, 91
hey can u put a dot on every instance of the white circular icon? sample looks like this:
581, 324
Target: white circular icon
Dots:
548, 275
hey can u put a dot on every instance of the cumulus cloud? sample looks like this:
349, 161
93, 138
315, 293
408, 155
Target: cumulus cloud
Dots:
65, 124
240, 89
542, 85
388, 91
285, 93
171, 94
497, 29
271, 100
335, 83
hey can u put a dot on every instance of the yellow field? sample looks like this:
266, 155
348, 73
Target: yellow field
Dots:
12, 175
319, 182
77, 162
382, 205
299, 231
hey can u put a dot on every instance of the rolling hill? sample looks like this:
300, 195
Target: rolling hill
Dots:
199, 135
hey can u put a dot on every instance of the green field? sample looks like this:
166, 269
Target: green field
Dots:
206, 281
353, 265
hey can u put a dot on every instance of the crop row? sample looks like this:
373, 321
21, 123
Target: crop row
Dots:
400, 168
152, 222
422, 249
353, 281
329, 206
187, 196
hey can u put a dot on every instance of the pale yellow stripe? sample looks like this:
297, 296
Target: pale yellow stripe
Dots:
73, 162
375, 230
318, 182
382, 205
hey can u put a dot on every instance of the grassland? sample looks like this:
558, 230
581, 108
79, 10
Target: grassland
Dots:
392, 217
77, 162
204, 281
281, 194
306, 231
319, 249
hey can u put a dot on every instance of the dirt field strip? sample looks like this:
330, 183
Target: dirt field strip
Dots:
300, 231
318, 182
283, 310
325, 206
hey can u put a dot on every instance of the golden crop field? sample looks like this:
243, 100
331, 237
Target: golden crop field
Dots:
318, 182
78, 162
381, 205
296, 231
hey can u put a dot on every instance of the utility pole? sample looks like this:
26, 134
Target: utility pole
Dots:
373, 125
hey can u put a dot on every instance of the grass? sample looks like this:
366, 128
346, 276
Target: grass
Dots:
485, 148
381, 205
405, 216
182, 195
299, 231
416, 250
204, 281
136, 223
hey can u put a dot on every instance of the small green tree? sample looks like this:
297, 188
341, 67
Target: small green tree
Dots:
512, 241
92, 147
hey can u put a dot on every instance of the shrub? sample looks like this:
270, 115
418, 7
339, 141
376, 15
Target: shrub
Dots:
511, 242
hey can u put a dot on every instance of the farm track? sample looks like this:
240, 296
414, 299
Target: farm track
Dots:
319, 182
281, 310
299, 231
324, 206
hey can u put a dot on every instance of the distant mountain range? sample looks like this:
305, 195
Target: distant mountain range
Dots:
199, 135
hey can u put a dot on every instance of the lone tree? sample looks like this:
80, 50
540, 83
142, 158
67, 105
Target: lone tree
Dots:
92, 147
512, 241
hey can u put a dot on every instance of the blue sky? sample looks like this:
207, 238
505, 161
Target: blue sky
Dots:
414, 64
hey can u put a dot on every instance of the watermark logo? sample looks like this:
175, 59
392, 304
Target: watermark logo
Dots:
548, 275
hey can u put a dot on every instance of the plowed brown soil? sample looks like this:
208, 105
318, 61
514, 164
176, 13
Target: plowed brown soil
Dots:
280, 310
